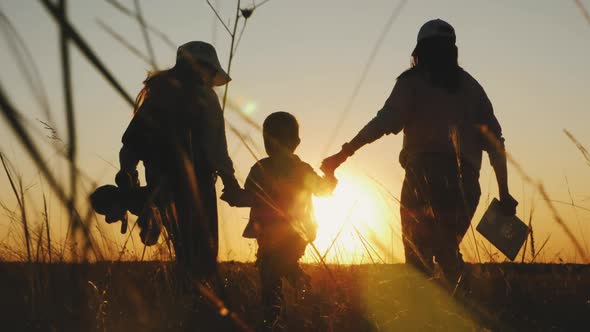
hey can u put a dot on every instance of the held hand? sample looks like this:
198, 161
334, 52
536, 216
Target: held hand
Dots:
330, 164
508, 204
237, 197
127, 180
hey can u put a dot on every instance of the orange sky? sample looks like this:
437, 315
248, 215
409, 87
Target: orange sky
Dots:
305, 57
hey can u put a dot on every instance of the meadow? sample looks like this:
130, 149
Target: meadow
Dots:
142, 296
79, 279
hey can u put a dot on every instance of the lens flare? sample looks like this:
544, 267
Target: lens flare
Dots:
250, 108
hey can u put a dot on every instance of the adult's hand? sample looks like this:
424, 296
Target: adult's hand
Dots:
508, 204
127, 180
237, 197
330, 164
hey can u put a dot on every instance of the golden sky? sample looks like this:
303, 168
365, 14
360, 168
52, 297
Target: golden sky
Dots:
306, 57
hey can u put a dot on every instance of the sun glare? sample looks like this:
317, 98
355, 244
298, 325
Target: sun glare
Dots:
350, 221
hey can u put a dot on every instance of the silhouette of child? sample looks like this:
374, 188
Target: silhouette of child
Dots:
281, 216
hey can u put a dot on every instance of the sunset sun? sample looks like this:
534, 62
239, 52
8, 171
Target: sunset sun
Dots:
348, 218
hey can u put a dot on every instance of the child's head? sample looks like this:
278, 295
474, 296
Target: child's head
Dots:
281, 134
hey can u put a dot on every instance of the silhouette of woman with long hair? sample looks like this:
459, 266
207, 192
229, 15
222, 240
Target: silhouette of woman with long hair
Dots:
447, 120
178, 132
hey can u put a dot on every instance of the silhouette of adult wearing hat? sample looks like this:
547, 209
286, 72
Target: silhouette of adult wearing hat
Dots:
447, 120
178, 132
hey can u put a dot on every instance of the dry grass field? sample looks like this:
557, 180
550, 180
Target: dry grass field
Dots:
132, 296
41, 290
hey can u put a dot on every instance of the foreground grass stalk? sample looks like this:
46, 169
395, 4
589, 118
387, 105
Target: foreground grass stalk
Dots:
48, 235
86, 50
357, 88
146, 36
541, 189
19, 195
231, 53
69, 109
531, 214
27, 65
126, 11
124, 42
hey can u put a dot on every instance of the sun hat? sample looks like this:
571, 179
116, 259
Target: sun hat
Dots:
436, 28
205, 53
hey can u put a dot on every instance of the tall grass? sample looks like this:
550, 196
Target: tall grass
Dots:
583, 10
26, 64
530, 235
47, 228
146, 36
540, 188
20, 198
357, 87
38, 240
69, 35
153, 30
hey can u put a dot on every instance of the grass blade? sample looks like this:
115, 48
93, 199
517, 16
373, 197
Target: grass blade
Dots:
541, 249
27, 66
231, 52
146, 36
69, 108
19, 195
11, 116
47, 229
124, 42
392, 18
151, 28
81, 44
583, 10
578, 145
541, 189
